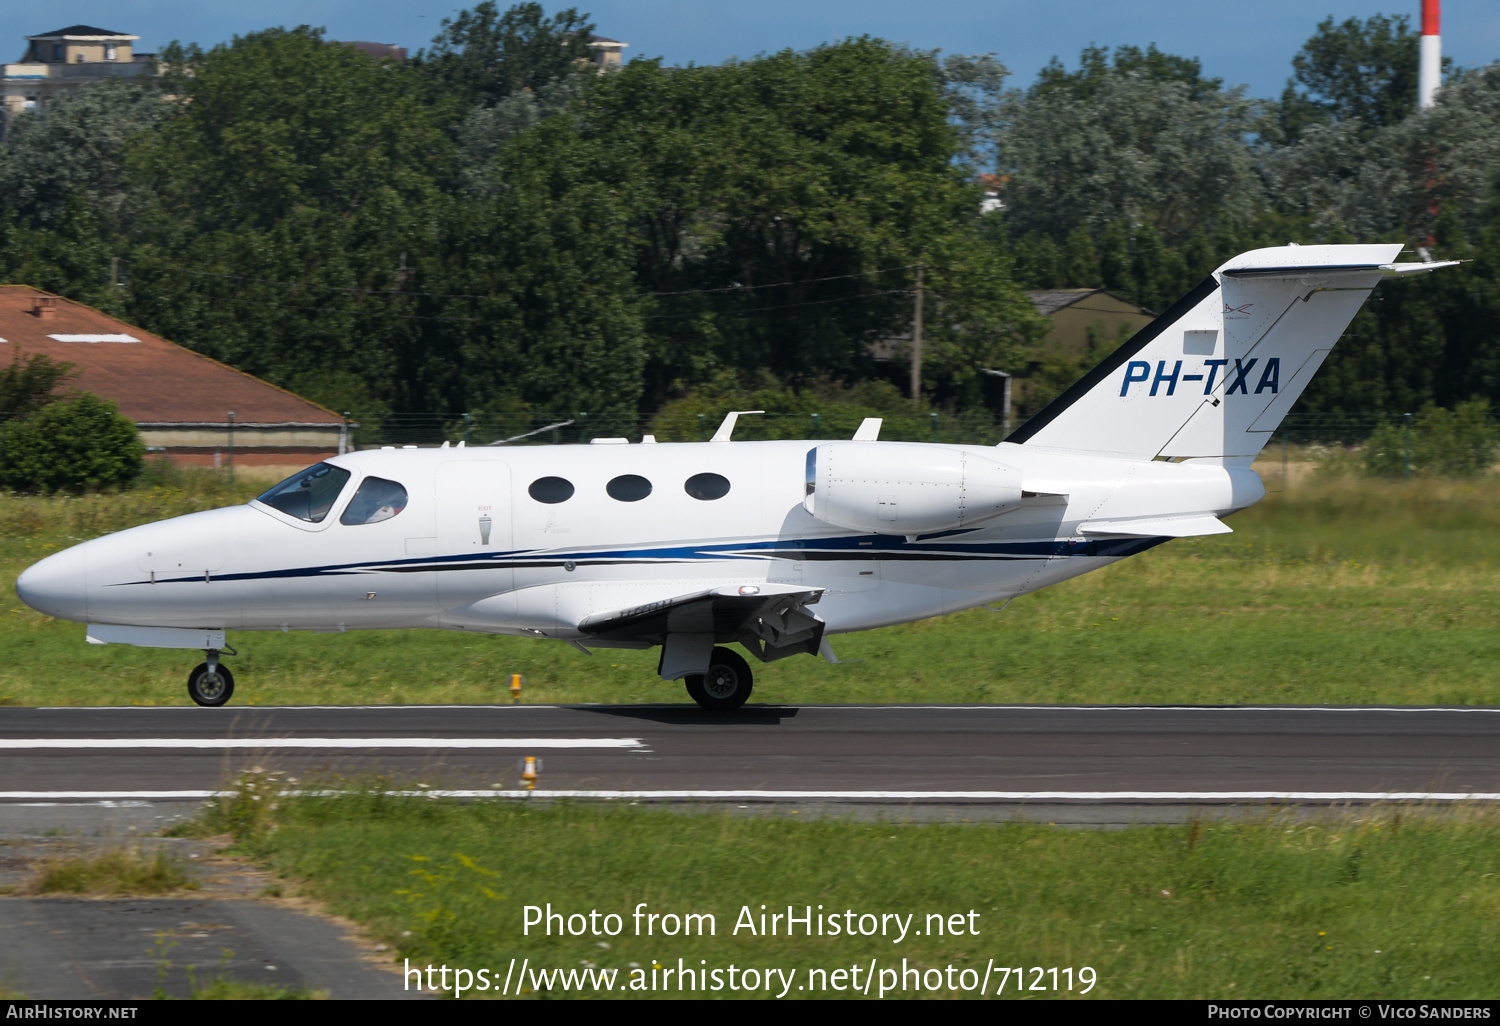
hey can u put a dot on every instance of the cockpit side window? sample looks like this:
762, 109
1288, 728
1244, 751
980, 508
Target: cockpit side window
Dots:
376, 500
309, 494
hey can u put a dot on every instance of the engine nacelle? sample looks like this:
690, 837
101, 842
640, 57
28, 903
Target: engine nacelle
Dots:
905, 488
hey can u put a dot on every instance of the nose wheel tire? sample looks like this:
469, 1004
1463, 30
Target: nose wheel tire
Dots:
725, 686
210, 687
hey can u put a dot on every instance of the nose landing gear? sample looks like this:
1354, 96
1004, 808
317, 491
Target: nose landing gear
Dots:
210, 684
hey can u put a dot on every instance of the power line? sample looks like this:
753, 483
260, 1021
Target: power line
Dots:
731, 288
737, 287
319, 309
783, 306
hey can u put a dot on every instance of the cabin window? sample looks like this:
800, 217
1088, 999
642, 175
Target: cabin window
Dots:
376, 500
551, 490
310, 494
628, 488
707, 486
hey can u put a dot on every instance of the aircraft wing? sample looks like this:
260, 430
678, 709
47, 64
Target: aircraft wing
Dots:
771, 620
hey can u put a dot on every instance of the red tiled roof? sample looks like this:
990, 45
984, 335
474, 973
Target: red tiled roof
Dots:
152, 380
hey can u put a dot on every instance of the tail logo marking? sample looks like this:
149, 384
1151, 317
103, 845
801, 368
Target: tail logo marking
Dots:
1237, 313
1139, 371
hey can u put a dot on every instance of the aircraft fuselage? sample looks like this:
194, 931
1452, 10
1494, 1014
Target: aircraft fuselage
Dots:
473, 550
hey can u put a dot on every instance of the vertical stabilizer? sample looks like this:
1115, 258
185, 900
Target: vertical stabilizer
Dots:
1214, 375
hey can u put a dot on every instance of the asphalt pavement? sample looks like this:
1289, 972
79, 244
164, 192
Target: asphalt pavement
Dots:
890, 753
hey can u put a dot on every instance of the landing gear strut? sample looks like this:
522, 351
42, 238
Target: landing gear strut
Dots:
725, 686
209, 683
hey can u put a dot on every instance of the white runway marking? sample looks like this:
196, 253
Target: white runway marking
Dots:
103, 797
261, 743
1008, 796
811, 707
913, 796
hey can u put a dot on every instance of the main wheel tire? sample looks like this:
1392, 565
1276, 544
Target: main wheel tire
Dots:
725, 686
210, 688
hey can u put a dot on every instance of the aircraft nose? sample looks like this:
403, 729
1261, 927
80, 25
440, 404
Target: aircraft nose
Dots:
58, 585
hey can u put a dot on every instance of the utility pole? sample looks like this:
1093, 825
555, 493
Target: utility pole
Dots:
916, 343
1407, 434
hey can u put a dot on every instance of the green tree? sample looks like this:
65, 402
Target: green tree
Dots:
483, 55
780, 206
1460, 442
71, 256
1142, 138
1114, 260
1356, 71
1038, 264
75, 147
1096, 71
28, 385
73, 445
551, 322
1080, 260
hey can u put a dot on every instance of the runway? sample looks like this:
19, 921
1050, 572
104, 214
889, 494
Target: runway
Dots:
967, 755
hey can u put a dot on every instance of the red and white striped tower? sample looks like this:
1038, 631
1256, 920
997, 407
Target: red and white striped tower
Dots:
1430, 71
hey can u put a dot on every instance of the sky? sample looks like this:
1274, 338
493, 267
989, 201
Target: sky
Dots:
1243, 43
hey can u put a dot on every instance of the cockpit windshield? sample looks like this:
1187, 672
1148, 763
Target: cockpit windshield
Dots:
309, 494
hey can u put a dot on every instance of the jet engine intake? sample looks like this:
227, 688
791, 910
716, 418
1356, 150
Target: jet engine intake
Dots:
904, 488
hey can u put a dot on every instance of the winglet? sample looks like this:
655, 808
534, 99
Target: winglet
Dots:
869, 430
727, 428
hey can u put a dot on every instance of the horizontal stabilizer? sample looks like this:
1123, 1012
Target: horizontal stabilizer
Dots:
1158, 527
1325, 270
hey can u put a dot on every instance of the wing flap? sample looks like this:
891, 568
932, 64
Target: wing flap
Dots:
770, 619
1158, 527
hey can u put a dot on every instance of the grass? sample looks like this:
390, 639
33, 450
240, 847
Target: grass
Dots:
114, 872
234, 990
1335, 591
1382, 905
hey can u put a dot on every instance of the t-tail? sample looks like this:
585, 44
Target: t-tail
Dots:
1214, 375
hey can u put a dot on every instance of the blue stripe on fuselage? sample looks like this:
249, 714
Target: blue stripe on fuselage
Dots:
852, 547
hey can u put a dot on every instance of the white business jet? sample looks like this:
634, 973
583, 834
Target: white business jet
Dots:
773, 545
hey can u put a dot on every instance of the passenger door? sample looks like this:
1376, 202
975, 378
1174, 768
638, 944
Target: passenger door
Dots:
473, 531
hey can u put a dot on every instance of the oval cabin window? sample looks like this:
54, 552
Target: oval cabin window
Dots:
707, 486
376, 500
551, 490
628, 488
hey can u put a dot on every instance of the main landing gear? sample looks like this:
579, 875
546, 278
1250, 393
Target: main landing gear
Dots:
725, 686
209, 683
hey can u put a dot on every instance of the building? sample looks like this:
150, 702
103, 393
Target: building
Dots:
608, 53
1081, 321
1074, 312
377, 51
66, 60
188, 407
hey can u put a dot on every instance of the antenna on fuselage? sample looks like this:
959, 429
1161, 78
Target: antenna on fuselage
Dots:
528, 434
727, 428
869, 430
